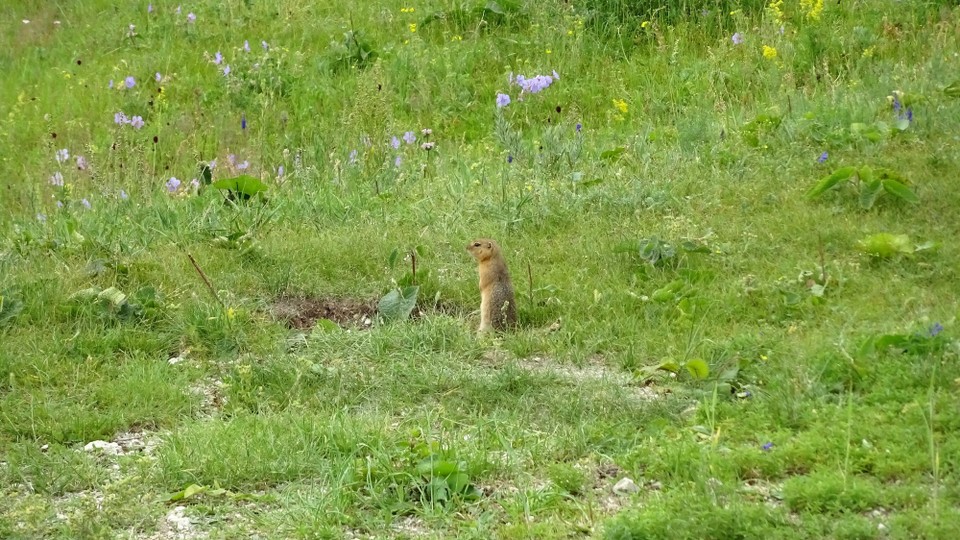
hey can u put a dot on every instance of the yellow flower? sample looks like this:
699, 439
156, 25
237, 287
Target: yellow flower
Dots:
644, 24
769, 52
456, 38
413, 27
548, 51
775, 10
813, 8
569, 32
231, 313
621, 105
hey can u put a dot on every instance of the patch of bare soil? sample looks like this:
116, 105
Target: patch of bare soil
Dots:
302, 312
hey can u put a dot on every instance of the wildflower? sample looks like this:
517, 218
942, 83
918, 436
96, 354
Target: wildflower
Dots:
243, 121
502, 100
212, 164
59, 204
413, 27
535, 84
158, 77
896, 102
280, 170
195, 184
397, 162
409, 137
243, 166
556, 75
769, 52
353, 156
173, 184
579, 126
136, 122
620, 105
226, 71
57, 179
910, 114
149, 8
428, 146
110, 84
120, 118
767, 447
86, 203
232, 159
265, 45
426, 132
81, 163
822, 158
246, 46
394, 142
62, 155
510, 158
936, 329
123, 195
737, 38
191, 17
129, 82
178, 10
217, 58
42, 218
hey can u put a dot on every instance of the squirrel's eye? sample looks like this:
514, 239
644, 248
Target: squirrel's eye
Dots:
476, 244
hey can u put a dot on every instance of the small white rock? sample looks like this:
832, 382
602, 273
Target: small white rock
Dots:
109, 448
44, 448
625, 485
177, 520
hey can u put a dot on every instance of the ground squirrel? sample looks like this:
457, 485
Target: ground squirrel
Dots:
498, 307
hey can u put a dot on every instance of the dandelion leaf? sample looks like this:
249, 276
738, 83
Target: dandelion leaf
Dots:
839, 175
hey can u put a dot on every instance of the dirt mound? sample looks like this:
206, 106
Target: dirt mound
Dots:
302, 312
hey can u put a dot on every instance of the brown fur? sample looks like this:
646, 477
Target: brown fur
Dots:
498, 306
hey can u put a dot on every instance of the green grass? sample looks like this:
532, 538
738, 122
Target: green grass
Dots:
810, 424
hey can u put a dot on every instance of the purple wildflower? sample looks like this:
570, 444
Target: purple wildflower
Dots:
737, 38
158, 77
579, 127
195, 184
534, 85
397, 162
910, 114
226, 71
59, 204
823, 157
123, 195
244, 165
42, 218
136, 122
502, 100
896, 103
110, 84
213, 164
129, 82
232, 159
426, 132
265, 46
767, 447
217, 58
81, 163
409, 137
246, 46
280, 170
936, 329
57, 179
86, 203
191, 17
178, 10
62, 155
510, 158
394, 142
173, 184
120, 118
243, 121
149, 8
428, 146
353, 156
556, 75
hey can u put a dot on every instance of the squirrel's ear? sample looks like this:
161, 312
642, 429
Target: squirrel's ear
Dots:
489, 245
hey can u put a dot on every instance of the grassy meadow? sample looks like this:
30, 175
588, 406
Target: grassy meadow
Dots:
232, 257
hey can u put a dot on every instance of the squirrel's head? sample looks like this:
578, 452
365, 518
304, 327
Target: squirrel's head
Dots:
483, 249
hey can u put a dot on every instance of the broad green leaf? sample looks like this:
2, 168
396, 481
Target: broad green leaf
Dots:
392, 259
901, 124
869, 191
243, 184
670, 366
437, 467
113, 296
899, 191
398, 304
698, 368
695, 247
459, 482
839, 175
929, 245
326, 326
